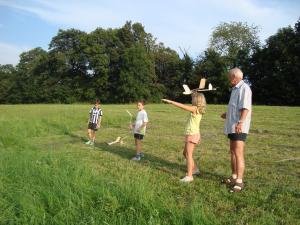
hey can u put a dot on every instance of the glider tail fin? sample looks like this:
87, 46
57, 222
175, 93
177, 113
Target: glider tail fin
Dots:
187, 90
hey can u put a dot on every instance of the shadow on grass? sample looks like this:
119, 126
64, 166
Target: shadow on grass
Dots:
149, 160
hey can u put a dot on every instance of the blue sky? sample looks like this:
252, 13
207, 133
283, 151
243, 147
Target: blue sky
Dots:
185, 24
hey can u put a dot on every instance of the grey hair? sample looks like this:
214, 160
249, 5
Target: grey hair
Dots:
235, 73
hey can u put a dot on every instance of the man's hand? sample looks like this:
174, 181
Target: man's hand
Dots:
223, 116
238, 127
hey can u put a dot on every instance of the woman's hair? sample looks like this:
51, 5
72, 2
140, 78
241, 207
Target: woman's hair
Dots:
198, 100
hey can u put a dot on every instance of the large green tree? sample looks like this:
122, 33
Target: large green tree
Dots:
212, 66
31, 73
168, 68
233, 39
126, 64
103, 53
72, 45
275, 69
137, 77
7, 77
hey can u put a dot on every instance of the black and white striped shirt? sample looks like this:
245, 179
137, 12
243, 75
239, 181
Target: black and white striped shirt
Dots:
95, 115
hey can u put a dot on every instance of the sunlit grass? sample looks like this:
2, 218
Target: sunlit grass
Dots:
48, 175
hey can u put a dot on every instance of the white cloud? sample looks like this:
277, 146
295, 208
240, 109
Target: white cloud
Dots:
186, 24
86, 15
268, 17
9, 54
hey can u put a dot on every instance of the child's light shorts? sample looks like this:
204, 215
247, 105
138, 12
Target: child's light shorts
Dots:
194, 138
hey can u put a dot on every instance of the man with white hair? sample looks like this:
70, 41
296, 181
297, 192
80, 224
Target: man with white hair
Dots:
237, 125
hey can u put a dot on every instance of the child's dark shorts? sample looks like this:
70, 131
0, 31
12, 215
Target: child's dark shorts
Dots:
93, 126
237, 137
138, 136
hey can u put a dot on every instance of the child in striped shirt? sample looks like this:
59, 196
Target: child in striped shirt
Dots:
94, 122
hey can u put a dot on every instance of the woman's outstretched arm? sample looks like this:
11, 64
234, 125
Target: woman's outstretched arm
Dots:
180, 105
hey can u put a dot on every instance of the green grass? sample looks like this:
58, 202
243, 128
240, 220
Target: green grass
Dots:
48, 176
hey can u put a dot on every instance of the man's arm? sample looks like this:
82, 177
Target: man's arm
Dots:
239, 125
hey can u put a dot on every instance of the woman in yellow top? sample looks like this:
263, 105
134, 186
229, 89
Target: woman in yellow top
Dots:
192, 131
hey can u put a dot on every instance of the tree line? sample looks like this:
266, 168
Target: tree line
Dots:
126, 64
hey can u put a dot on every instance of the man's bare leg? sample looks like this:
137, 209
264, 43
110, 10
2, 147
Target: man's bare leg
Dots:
233, 159
240, 161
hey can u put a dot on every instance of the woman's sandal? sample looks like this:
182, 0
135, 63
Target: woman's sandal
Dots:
228, 181
238, 187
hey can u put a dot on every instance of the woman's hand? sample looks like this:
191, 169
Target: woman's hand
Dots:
166, 100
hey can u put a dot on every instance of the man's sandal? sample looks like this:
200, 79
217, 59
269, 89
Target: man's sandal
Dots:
228, 181
238, 187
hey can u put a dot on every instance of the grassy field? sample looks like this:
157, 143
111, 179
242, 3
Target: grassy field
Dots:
48, 175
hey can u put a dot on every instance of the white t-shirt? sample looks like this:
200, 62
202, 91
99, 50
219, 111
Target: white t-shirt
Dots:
141, 117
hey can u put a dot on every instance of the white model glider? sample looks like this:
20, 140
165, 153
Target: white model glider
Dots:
188, 91
114, 142
118, 140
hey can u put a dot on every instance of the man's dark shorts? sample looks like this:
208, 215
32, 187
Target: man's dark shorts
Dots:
93, 126
237, 137
138, 136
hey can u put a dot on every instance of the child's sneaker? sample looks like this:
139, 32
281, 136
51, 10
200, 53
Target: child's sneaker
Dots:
187, 179
92, 143
88, 142
142, 154
196, 172
136, 158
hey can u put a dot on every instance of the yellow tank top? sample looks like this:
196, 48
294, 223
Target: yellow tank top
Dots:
193, 124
